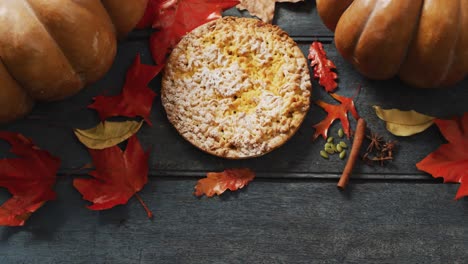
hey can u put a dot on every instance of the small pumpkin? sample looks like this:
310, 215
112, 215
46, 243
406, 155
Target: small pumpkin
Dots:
424, 42
51, 49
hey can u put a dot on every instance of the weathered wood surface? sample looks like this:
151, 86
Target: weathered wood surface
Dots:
293, 215
299, 158
269, 222
174, 156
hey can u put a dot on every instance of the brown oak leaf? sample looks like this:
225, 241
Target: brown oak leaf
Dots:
263, 9
334, 112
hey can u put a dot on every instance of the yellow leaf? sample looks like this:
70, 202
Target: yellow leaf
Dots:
404, 123
107, 134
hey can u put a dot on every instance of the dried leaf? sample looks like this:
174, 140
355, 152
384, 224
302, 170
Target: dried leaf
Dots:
136, 99
174, 19
30, 178
323, 67
107, 134
263, 9
218, 182
409, 118
118, 176
404, 123
450, 161
336, 112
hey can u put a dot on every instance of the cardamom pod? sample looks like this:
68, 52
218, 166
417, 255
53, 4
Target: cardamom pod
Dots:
323, 154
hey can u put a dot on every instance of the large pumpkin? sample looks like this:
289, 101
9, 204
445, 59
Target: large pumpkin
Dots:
50, 49
425, 42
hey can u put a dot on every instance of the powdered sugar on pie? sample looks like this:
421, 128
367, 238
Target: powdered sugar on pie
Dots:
236, 87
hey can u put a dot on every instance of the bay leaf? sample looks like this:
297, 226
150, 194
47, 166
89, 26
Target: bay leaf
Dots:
107, 134
404, 123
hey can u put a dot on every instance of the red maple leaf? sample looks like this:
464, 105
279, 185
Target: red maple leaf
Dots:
336, 112
136, 98
118, 175
322, 67
150, 14
450, 161
218, 182
30, 178
175, 18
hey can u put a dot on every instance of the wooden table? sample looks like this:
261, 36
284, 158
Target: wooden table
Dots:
292, 212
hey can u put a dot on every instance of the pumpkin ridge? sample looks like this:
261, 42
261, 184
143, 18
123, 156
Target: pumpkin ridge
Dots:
80, 75
428, 38
330, 11
413, 37
32, 57
432, 52
445, 74
51, 49
13, 77
117, 13
385, 38
18, 108
364, 26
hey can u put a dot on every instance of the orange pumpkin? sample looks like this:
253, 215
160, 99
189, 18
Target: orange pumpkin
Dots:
424, 42
50, 49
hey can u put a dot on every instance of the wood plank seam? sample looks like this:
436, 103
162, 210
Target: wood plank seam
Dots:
285, 175
144, 35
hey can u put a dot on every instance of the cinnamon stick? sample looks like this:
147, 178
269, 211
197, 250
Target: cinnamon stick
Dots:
359, 136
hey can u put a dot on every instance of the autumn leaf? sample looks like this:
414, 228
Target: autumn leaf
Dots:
323, 67
404, 123
450, 161
218, 182
118, 176
136, 98
30, 179
336, 112
176, 18
107, 134
151, 11
263, 9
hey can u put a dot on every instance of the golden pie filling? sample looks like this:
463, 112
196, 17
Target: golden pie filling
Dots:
236, 87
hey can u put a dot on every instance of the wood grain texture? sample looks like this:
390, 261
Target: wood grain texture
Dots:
299, 158
269, 222
294, 214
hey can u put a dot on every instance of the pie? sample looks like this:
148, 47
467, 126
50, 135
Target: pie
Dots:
236, 87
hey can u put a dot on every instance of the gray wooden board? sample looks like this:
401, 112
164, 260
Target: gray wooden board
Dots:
50, 125
287, 220
271, 221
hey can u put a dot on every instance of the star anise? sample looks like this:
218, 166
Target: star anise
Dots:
379, 151
381, 158
388, 148
376, 142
